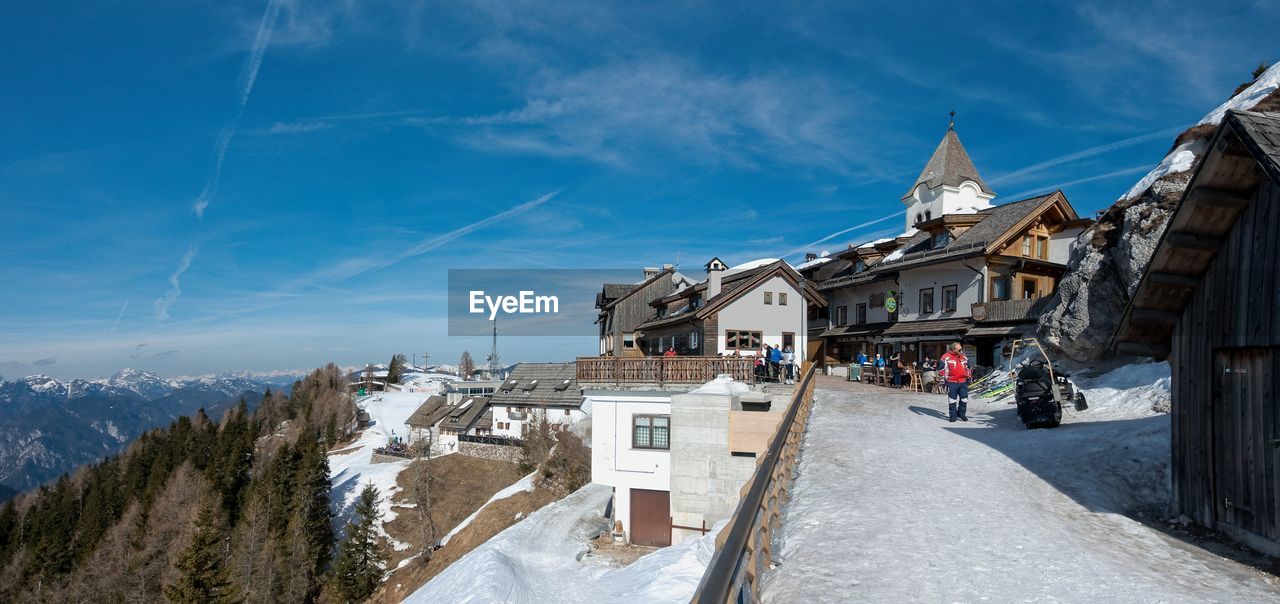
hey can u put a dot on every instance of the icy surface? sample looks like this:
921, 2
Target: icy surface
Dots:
895, 504
352, 467
541, 559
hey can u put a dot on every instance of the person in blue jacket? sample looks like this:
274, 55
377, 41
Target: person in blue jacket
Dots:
775, 361
862, 358
879, 360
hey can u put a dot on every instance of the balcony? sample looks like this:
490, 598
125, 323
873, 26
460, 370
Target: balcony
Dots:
998, 311
518, 416
604, 372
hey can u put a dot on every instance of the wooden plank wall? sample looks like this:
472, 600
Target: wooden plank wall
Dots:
1236, 305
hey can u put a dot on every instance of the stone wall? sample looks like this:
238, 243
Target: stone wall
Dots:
486, 451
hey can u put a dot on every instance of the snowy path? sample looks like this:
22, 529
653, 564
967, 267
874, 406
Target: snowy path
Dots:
893, 504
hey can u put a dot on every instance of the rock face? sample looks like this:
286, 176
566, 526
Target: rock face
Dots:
1108, 259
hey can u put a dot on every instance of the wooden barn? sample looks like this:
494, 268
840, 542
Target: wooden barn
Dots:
1209, 302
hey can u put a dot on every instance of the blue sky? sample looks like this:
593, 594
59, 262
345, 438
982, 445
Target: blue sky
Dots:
206, 186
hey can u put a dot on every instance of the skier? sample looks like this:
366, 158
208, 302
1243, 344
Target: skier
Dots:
954, 367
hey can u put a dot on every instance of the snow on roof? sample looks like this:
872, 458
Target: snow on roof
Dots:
723, 384
746, 266
876, 242
812, 263
896, 254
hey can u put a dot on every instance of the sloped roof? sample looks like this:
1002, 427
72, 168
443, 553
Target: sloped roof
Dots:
540, 385
974, 241
731, 288
1244, 151
430, 412
932, 327
949, 165
467, 412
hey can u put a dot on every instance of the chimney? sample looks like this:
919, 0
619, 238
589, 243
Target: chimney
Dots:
650, 272
667, 267
714, 268
810, 256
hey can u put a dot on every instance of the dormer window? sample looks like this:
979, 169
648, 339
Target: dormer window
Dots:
941, 240
859, 266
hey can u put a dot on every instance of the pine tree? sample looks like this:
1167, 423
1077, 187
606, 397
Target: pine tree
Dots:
466, 366
358, 569
395, 370
202, 566
313, 520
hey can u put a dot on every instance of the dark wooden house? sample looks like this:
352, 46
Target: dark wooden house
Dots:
1209, 303
623, 306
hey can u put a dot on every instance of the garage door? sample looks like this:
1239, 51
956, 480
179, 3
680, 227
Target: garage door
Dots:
650, 517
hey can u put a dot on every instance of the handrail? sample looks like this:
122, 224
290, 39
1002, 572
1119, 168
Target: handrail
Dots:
743, 546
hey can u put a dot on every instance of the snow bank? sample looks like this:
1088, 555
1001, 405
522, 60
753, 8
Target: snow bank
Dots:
723, 384
540, 559
1266, 83
353, 468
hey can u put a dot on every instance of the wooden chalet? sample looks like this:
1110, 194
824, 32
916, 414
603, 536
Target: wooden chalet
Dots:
623, 306
689, 319
1208, 303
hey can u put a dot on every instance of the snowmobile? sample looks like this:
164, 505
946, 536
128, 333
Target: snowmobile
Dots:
1040, 391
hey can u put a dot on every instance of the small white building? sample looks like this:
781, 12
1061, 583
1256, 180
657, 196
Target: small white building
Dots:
677, 461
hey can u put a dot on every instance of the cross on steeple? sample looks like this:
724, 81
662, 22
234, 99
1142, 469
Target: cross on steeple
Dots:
953, 119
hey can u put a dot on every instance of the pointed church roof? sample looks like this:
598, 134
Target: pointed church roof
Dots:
950, 165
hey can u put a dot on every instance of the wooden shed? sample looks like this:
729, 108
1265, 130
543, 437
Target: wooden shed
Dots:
1209, 302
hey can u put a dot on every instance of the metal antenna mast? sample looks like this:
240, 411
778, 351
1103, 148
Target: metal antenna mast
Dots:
495, 369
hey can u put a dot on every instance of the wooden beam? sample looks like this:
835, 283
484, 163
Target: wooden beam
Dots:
1173, 280
1142, 349
1147, 315
1221, 198
1190, 241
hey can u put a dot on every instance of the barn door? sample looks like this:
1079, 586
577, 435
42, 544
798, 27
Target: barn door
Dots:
650, 517
1247, 440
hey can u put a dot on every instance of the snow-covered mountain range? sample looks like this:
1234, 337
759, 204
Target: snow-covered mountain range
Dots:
48, 427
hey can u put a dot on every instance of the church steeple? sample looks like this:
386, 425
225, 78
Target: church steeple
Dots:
951, 183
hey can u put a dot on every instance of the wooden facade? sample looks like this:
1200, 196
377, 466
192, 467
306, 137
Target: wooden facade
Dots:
1208, 302
621, 312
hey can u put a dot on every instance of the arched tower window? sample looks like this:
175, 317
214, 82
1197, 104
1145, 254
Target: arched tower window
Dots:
928, 215
919, 217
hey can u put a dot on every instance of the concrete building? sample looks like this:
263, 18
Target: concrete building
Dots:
677, 460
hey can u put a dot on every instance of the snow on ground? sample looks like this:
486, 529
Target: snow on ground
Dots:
1266, 83
352, 467
541, 559
894, 503
520, 486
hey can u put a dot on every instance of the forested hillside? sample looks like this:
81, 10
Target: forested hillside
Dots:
235, 509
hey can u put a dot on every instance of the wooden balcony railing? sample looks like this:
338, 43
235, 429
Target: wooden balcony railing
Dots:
662, 370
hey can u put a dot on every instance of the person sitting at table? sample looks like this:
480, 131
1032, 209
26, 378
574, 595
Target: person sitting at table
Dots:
862, 358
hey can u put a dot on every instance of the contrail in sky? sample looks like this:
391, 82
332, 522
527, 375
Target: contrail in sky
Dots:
248, 74
864, 225
1090, 152
162, 303
120, 316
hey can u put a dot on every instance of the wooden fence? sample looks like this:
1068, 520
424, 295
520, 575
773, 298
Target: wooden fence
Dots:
662, 370
744, 546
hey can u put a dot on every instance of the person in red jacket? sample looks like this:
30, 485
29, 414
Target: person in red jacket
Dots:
954, 368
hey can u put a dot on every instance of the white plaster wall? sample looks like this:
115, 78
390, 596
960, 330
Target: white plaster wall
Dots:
749, 312
502, 413
614, 462
1060, 245
912, 281
861, 294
